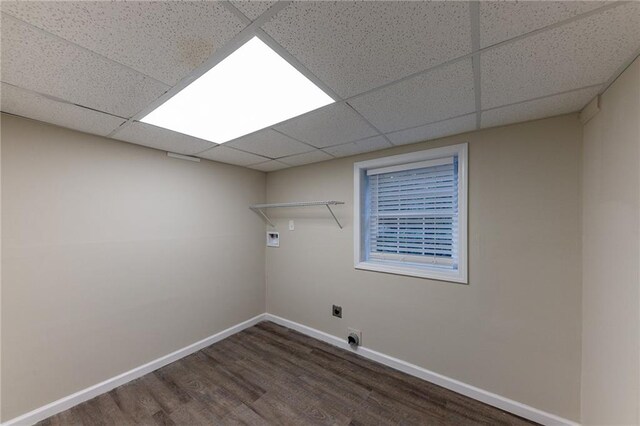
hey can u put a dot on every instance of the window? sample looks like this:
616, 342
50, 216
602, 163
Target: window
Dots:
411, 214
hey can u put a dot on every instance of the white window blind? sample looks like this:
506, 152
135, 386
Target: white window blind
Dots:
412, 213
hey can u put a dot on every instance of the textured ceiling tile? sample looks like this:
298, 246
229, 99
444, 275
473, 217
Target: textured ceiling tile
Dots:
34, 60
307, 158
224, 154
163, 39
356, 46
27, 104
331, 125
579, 54
540, 108
252, 8
269, 166
434, 131
269, 143
437, 95
163, 139
366, 145
502, 20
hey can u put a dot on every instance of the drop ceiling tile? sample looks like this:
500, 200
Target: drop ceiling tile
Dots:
162, 39
225, 154
575, 55
358, 147
433, 131
269, 143
269, 166
31, 105
437, 95
43, 63
357, 46
540, 108
252, 8
306, 158
502, 20
163, 139
331, 125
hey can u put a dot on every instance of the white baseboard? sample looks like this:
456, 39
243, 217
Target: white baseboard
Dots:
481, 395
498, 401
67, 402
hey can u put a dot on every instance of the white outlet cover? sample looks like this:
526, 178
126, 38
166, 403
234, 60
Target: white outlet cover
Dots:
292, 225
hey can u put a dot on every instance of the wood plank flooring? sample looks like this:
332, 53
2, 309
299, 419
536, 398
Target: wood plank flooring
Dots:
270, 375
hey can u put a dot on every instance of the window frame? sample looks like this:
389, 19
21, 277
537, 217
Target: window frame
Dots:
411, 269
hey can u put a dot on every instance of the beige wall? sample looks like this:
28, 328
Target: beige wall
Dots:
108, 245
611, 256
515, 329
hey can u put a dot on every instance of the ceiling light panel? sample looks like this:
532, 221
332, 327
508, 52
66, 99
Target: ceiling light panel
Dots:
251, 89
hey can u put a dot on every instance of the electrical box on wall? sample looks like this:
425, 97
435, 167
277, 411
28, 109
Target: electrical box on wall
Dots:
273, 239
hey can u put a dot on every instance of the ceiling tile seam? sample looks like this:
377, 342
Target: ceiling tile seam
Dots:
57, 37
354, 141
486, 49
295, 155
237, 12
432, 122
62, 101
45, 122
295, 139
626, 64
265, 17
294, 62
474, 13
263, 160
492, 108
611, 5
269, 161
285, 54
564, 92
380, 133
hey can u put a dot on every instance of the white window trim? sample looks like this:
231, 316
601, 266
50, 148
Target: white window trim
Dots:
359, 191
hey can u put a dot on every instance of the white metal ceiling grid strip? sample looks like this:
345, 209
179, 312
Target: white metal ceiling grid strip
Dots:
254, 27
267, 39
474, 12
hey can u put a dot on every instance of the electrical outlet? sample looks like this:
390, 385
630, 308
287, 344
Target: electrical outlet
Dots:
352, 332
337, 311
292, 225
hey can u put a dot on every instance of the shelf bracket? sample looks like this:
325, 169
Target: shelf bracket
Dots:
260, 208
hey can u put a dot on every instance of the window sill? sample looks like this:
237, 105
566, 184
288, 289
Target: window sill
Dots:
411, 271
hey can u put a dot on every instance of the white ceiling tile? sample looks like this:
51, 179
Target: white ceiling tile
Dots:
366, 145
306, 158
540, 108
253, 8
269, 166
357, 46
44, 63
579, 54
433, 131
27, 104
502, 20
225, 154
331, 125
269, 143
437, 95
162, 39
163, 139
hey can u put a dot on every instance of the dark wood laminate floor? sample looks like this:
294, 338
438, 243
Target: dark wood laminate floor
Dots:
269, 374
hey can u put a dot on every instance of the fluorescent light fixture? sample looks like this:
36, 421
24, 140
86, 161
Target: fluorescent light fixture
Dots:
252, 88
